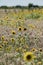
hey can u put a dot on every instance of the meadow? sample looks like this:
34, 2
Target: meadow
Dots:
21, 36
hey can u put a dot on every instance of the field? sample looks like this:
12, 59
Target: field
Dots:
21, 37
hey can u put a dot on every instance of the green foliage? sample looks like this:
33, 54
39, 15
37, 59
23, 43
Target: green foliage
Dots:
4, 7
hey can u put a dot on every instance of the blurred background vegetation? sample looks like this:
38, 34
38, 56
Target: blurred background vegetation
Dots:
30, 6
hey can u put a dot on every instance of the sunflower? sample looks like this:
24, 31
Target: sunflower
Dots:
31, 26
34, 49
12, 39
19, 28
8, 49
0, 46
28, 56
13, 32
39, 63
25, 29
40, 49
5, 42
2, 38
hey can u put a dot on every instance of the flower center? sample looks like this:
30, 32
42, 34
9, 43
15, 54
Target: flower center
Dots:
28, 57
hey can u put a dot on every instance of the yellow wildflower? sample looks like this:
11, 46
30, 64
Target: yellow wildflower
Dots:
28, 56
